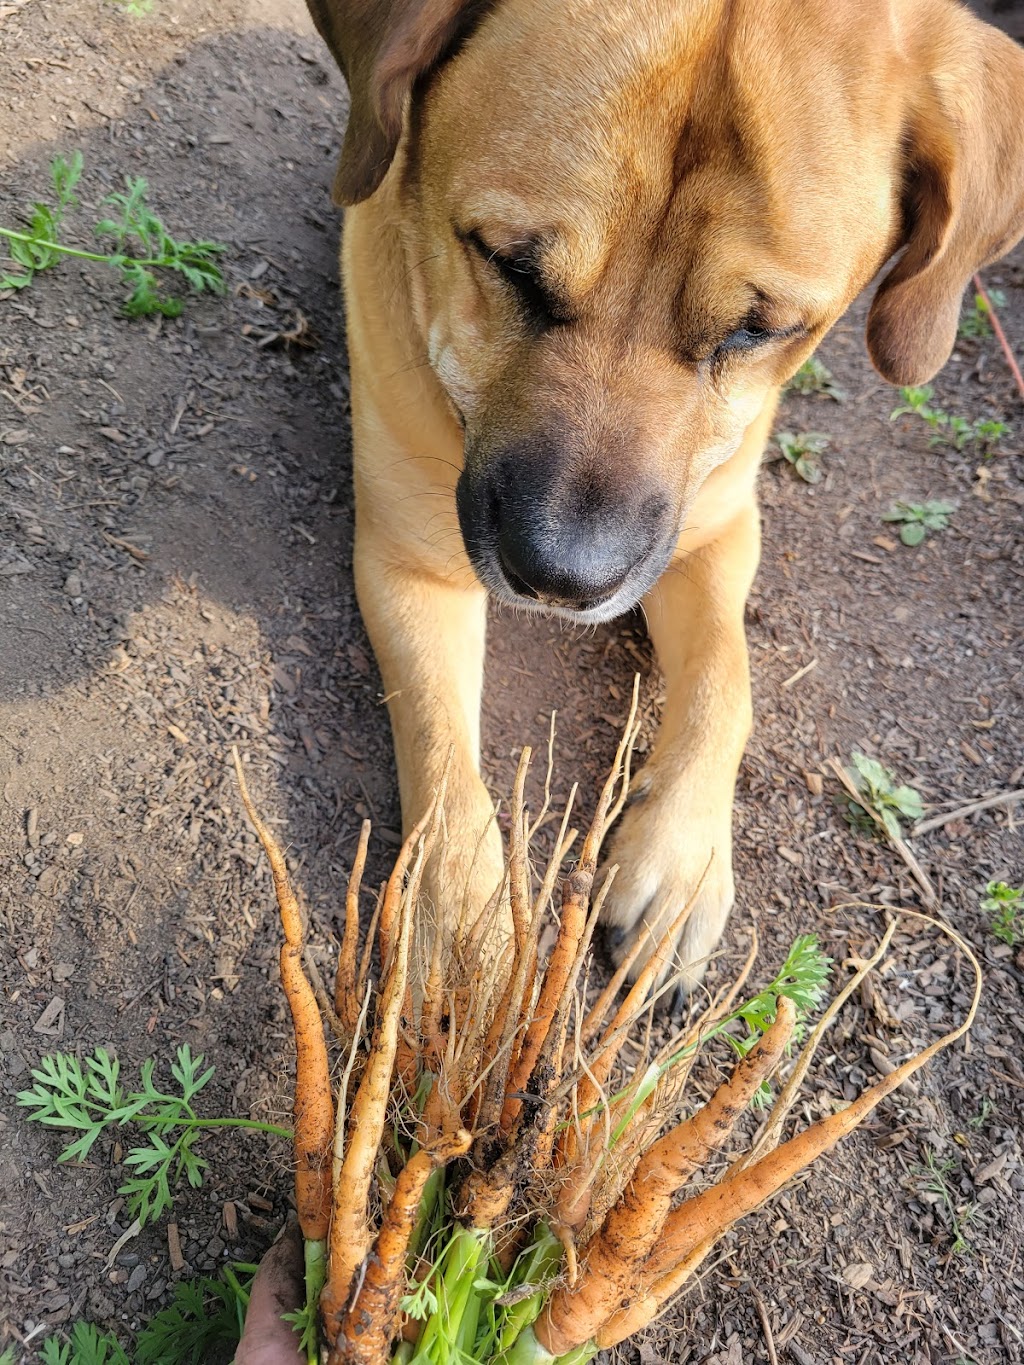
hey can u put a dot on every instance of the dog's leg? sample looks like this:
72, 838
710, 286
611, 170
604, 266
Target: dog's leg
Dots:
679, 819
423, 607
428, 636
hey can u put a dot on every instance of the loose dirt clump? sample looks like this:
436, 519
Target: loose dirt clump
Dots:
175, 577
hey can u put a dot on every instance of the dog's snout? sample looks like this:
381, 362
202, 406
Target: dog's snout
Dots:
558, 531
565, 564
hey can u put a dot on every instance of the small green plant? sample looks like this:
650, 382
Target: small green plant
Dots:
933, 1179
89, 1100
985, 1111
142, 246
1005, 905
39, 249
975, 321
983, 434
803, 451
986, 434
884, 794
206, 1315
137, 8
812, 377
802, 978
916, 519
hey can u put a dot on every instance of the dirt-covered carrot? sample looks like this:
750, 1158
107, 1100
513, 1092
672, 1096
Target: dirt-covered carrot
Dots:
346, 994
350, 1234
631, 1228
564, 960
371, 1320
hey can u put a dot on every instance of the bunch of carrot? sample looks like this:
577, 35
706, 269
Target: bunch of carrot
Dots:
485, 1184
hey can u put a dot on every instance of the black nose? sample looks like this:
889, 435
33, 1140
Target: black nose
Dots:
575, 553
563, 529
564, 567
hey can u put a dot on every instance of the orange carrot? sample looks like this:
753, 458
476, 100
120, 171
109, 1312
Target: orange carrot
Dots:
575, 894
314, 1106
349, 1234
371, 1320
632, 1227
575, 1147
714, 1211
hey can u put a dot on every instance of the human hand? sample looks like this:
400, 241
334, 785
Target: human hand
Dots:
277, 1288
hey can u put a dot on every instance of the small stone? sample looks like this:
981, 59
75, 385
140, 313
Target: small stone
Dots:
215, 1247
75, 840
73, 585
136, 1279
858, 1274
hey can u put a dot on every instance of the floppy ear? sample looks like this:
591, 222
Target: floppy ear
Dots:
383, 47
963, 194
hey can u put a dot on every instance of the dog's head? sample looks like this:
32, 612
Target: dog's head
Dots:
625, 224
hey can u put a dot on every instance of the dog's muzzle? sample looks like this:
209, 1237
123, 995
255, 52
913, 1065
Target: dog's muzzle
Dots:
560, 540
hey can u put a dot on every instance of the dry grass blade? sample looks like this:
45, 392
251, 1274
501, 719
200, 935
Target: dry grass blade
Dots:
346, 993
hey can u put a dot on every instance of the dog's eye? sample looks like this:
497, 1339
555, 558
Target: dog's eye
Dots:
753, 333
521, 273
745, 338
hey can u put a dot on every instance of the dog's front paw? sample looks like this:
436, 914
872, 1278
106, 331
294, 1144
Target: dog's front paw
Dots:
670, 837
466, 868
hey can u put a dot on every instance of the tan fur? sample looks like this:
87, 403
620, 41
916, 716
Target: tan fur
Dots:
669, 156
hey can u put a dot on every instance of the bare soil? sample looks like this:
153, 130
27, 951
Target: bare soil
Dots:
175, 555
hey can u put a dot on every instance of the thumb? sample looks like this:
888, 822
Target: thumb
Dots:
278, 1288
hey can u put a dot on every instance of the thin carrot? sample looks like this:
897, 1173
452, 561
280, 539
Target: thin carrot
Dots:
575, 895
574, 1149
711, 1213
313, 1106
349, 1233
631, 1228
346, 995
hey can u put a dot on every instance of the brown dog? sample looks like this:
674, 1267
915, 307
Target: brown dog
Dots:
589, 240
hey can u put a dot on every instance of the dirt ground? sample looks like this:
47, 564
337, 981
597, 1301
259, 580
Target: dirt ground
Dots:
175, 556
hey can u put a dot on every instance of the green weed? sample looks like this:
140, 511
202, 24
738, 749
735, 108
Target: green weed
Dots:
916, 519
982, 435
975, 321
39, 249
141, 246
985, 1111
803, 451
802, 978
884, 794
205, 1315
89, 1100
933, 1179
1005, 905
812, 377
